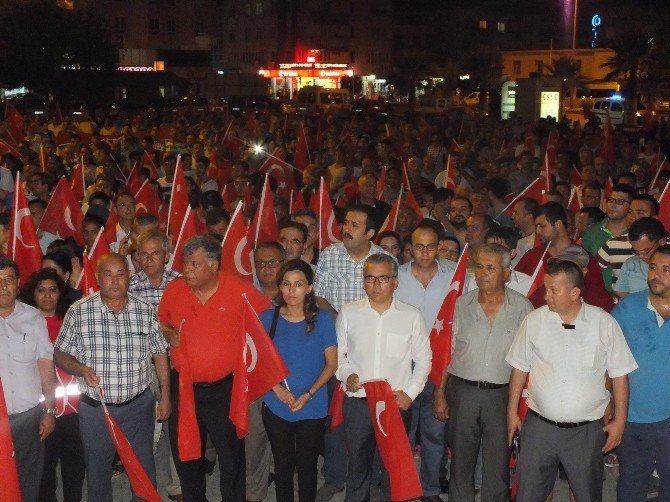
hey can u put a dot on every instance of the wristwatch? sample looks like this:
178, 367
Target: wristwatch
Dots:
51, 411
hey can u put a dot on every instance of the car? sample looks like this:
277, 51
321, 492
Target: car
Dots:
472, 99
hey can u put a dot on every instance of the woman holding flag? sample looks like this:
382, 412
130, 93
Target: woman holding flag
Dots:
294, 412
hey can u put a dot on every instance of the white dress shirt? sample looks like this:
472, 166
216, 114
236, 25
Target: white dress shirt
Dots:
383, 346
567, 366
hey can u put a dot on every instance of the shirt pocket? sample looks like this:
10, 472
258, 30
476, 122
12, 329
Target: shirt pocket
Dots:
397, 344
594, 357
22, 349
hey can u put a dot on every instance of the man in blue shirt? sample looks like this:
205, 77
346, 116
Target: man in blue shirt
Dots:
645, 445
645, 235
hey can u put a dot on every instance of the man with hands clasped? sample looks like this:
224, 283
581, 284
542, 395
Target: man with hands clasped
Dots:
566, 349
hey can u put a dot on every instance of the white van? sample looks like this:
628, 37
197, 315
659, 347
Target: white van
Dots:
317, 99
614, 106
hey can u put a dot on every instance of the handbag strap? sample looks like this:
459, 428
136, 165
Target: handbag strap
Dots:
273, 326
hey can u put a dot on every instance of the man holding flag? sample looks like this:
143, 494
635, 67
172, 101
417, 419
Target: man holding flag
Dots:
108, 340
201, 314
378, 337
476, 380
423, 283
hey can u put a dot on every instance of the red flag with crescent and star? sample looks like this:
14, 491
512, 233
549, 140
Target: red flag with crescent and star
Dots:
237, 256
63, 216
259, 368
440, 335
10, 489
392, 441
329, 230
24, 246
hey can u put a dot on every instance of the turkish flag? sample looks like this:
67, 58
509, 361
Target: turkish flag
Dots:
574, 204
178, 200
15, 124
405, 179
110, 226
576, 179
63, 216
392, 441
550, 153
78, 182
391, 220
188, 230
606, 193
264, 224
301, 155
296, 201
237, 256
440, 334
10, 491
148, 161
380, 185
410, 201
653, 188
7, 148
87, 281
139, 480
227, 196
664, 209
281, 171
329, 230
537, 279
534, 190
147, 199
24, 246
336, 404
133, 184
259, 368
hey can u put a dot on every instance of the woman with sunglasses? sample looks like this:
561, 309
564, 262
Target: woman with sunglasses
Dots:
294, 412
46, 291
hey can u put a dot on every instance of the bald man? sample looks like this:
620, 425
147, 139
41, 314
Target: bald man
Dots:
108, 340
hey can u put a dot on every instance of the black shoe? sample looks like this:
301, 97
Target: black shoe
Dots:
444, 484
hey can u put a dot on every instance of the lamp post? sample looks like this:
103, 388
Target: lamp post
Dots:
574, 28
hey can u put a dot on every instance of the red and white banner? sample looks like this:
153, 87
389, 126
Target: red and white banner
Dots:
24, 246
63, 216
237, 256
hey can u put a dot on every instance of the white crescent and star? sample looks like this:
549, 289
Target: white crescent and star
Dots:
20, 214
67, 216
237, 257
253, 352
380, 407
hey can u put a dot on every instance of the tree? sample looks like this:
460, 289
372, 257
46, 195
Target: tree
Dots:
635, 57
38, 39
483, 63
568, 71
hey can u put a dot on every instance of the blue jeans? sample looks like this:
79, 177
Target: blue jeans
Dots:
643, 448
136, 420
433, 440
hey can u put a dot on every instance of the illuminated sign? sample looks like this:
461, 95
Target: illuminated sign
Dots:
549, 101
136, 68
595, 21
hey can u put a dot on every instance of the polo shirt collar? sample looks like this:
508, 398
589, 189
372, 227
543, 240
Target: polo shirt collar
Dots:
659, 318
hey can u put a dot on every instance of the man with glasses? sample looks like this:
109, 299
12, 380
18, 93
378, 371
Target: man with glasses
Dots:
423, 283
378, 337
617, 205
292, 237
268, 258
339, 280
645, 236
608, 241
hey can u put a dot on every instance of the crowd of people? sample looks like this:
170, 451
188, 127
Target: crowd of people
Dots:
566, 294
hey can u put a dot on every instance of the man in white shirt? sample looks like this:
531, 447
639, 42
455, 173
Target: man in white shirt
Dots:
378, 337
565, 349
523, 216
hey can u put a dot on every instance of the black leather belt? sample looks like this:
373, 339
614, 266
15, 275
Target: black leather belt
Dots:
95, 403
481, 384
212, 384
562, 425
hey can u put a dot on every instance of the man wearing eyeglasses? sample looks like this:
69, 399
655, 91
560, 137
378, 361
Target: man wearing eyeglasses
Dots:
423, 283
268, 258
378, 337
608, 240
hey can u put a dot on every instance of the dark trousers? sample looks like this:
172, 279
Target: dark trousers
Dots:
212, 409
478, 417
544, 446
644, 447
64, 445
28, 451
362, 445
136, 420
295, 447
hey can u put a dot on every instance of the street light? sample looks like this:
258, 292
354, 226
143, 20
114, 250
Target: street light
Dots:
574, 28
